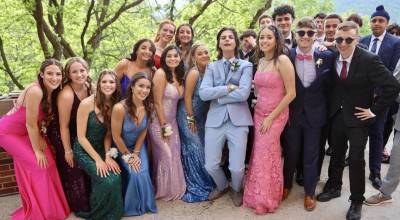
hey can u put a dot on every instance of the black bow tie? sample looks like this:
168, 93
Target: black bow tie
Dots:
288, 41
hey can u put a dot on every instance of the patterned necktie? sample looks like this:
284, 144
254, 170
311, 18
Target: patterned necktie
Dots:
343, 72
227, 66
303, 57
374, 45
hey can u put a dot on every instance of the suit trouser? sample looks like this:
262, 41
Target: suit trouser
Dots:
214, 142
389, 123
376, 142
392, 178
357, 136
296, 138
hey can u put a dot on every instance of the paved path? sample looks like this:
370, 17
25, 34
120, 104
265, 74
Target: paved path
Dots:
290, 209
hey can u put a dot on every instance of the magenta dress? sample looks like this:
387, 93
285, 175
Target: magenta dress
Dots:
40, 189
168, 176
264, 181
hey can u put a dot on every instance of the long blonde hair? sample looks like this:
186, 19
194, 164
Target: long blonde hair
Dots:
157, 38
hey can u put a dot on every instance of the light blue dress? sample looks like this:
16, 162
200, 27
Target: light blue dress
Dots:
137, 188
198, 182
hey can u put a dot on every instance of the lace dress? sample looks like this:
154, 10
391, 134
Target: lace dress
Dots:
264, 181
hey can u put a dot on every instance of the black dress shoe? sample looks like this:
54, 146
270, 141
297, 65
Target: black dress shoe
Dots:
354, 212
329, 151
346, 161
328, 194
300, 179
376, 181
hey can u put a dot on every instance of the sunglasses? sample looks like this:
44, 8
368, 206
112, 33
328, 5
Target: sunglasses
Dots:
303, 33
340, 40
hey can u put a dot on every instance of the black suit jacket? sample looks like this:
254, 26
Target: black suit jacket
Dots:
365, 73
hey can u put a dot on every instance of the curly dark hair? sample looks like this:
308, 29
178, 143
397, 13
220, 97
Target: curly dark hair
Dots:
280, 47
100, 98
133, 55
237, 42
394, 29
283, 9
179, 70
148, 102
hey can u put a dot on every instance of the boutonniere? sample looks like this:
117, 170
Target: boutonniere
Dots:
235, 66
319, 62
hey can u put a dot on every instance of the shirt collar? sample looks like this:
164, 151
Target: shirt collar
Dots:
289, 36
379, 37
348, 59
230, 60
311, 52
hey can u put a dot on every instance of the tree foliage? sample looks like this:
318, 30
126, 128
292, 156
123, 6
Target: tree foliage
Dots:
104, 31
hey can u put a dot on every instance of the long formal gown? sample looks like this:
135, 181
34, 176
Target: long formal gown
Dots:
106, 193
76, 183
40, 189
167, 172
137, 188
125, 81
198, 182
264, 182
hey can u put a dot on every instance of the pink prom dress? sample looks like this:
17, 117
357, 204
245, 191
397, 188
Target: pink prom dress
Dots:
40, 189
264, 182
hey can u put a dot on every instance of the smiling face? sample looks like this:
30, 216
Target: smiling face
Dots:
227, 41
330, 28
201, 56
172, 59
344, 48
144, 51
185, 35
141, 89
108, 84
52, 77
267, 41
378, 25
77, 73
167, 32
284, 23
303, 38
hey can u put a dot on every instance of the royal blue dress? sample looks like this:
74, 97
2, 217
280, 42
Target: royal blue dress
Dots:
198, 182
125, 81
137, 188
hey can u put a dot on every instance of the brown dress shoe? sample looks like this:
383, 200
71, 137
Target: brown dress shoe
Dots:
309, 203
285, 194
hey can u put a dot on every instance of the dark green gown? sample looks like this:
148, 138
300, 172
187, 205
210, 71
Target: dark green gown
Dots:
105, 196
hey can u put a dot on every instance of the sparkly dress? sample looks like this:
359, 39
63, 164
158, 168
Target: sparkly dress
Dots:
264, 182
168, 176
198, 182
76, 183
137, 188
40, 189
106, 194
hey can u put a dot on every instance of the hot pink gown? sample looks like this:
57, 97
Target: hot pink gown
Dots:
40, 189
264, 181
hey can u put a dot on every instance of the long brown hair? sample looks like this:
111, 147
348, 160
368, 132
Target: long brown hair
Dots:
48, 108
237, 42
133, 55
100, 98
280, 47
148, 102
85, 65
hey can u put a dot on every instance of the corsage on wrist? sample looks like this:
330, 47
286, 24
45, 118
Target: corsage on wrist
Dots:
127, 157
166, 130
113, 152
190, 119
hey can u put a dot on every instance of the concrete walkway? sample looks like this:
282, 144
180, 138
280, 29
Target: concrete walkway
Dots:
290, 209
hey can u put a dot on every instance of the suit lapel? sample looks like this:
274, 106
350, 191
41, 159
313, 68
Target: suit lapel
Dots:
230, 71
353, 64
221, 70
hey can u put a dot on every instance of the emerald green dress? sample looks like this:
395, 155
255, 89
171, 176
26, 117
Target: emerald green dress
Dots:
106, 195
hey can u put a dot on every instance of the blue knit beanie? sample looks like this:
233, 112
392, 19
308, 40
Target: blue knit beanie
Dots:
380, 11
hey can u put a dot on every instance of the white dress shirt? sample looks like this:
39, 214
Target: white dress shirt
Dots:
378, 43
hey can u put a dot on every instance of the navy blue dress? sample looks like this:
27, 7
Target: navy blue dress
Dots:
137, 188
198, 182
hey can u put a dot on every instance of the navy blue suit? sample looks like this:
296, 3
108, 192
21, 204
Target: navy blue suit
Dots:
307, 116
389, 53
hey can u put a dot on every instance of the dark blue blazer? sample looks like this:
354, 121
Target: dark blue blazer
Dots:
310, 103
389, 51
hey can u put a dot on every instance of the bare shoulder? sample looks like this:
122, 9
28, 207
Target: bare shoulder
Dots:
87, 103
159, 74
66, 94
283, 59
119, 107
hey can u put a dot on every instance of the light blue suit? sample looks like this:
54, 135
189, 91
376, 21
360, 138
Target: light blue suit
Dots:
228, 119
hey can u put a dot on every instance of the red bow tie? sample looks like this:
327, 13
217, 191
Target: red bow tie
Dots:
304, 57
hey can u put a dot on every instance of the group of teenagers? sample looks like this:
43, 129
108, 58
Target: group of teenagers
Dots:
168, 123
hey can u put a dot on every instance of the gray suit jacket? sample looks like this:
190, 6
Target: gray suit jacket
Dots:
214, 88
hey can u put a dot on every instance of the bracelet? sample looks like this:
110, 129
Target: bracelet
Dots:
127, 157
113, 152
166, 130
190, 119
68, 152
136, 151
